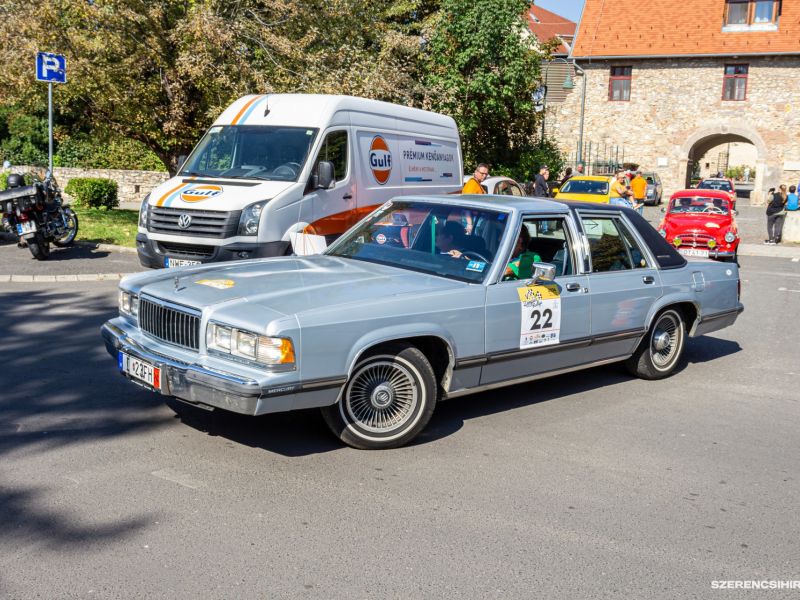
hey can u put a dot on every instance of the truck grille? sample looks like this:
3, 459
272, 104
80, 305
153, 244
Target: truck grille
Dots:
190, 250
170, 323
204, 223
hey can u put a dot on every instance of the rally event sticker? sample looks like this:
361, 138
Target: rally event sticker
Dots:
476, 265
220, 284
541, 315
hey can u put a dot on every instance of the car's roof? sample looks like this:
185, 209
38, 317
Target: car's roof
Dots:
715, 179
492, 201
590, 177
698, 192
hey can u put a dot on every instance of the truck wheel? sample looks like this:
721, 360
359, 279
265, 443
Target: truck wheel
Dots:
387, 401
39, 247
661, 349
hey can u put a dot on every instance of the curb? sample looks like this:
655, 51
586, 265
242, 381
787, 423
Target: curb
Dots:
105, 247
59, 278
780, 251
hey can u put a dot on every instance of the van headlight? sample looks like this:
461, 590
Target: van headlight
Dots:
128, 304
221, 339
144, 211
730, 237
248, 222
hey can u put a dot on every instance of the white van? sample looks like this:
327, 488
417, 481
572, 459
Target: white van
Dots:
275, 165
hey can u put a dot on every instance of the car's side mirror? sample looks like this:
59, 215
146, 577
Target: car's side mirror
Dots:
324, 175
543, 272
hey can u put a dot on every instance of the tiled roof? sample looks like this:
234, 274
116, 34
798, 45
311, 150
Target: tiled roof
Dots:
611, 28
546, 25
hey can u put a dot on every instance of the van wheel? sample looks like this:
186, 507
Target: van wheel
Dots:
387, 401
661, 349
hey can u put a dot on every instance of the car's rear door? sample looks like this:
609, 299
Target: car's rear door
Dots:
534, 329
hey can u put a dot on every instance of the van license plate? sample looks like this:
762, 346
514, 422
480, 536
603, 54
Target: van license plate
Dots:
141, 370
694, 252
179, 262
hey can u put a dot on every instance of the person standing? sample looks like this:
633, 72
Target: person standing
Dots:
792, 200
567, 177
776, 213
473, 185
620, 193
639, 190
540, 187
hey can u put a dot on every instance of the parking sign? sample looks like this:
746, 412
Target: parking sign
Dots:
51, 67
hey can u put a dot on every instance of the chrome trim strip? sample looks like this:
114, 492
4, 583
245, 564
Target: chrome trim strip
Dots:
321, 384
499, 384
472, 361
722, 314
167, 304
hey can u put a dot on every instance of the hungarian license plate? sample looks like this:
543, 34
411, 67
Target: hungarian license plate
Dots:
26, 227
179, 262
140, 370
694, 252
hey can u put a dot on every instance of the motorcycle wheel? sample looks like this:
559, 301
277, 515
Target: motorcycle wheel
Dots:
39, 247
71, 231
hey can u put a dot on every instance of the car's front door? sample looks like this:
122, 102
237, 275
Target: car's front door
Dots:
334, 209
534, 329
623, 284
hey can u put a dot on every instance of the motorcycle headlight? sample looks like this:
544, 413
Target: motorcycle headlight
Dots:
221, 339
730, 237
248, 222
128, 304
144, 211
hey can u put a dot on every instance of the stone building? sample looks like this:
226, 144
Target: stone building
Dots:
669, 81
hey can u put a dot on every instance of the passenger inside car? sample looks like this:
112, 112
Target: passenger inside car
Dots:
521, 264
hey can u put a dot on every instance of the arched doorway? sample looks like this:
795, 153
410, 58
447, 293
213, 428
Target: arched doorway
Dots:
703, 140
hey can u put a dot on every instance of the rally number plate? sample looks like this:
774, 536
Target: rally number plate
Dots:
140, 370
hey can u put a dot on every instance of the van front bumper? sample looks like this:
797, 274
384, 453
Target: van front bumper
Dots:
155, 255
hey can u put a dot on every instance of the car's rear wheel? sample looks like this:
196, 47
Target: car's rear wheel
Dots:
387, 401
661, 350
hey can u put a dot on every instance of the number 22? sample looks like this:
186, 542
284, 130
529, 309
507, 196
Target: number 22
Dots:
537, 316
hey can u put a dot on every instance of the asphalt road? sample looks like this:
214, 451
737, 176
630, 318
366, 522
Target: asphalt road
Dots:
592, 485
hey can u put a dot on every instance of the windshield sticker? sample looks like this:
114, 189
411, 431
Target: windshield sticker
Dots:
219, 284
540, 307
199, 193
476, 265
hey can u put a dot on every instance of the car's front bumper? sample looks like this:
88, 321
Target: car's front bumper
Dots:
213, 387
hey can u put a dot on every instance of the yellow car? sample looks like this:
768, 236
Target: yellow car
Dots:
586, 188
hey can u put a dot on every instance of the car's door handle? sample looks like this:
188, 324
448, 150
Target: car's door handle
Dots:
649, 279
573, 287
347, 197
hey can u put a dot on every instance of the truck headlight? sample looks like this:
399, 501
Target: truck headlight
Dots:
250, 346
144, 211
730, 237
248, 222
128, 304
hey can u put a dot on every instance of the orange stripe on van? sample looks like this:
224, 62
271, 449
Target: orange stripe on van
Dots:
340, 222
167, 194
247, 105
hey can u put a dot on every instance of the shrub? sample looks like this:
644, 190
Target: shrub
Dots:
93, 192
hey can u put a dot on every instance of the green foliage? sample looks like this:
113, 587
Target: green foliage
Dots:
737, 172
96, 153
4, 180
23, 137
93, 192
527, 166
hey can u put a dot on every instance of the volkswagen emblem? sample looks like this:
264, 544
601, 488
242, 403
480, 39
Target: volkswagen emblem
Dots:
184, 221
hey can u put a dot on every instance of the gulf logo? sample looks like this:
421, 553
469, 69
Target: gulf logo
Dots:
380, 160
199, 193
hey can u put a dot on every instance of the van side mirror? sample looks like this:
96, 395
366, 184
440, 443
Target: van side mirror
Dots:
543, 272
324, 175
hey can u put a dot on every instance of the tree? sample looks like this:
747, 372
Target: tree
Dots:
482, 68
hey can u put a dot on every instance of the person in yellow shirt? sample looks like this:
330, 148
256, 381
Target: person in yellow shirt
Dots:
473, 186
639, 189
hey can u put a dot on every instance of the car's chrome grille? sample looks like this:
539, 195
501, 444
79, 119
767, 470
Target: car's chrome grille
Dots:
191, 250
170, 323
695, 239
202, 223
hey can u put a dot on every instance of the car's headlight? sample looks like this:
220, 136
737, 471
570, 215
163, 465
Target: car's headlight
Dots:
143, 211
248, 222
730, 237
250, 346
128, 304
663, 232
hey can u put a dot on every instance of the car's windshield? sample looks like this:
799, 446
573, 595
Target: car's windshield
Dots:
699, 204
585, 186
715, 184
251, 152
451, 241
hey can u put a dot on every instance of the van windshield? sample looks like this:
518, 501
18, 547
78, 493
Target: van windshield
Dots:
251, 152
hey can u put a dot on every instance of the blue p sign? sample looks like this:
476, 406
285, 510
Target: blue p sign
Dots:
51, 67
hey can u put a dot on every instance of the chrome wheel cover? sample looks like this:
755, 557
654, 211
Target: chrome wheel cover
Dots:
381, 397
666, 340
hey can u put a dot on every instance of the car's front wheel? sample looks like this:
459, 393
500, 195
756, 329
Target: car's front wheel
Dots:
661, 350
387, 401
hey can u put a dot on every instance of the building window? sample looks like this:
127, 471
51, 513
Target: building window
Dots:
752, 13
734, 82
619, 84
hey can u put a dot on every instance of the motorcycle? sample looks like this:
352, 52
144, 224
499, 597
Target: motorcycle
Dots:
36, 213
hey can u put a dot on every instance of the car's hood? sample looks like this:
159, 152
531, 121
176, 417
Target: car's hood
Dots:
711, 224
285, 286
581, 197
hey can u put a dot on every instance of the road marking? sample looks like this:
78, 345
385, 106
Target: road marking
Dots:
59, 278
796, 259
177, 477
788, 290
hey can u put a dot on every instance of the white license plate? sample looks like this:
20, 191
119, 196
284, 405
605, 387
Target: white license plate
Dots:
693, 252
26, 227
140, 370
179, 262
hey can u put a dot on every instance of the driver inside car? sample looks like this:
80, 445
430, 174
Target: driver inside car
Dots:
522, 258
448, 239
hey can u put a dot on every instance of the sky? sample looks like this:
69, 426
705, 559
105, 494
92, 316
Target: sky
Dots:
571, 9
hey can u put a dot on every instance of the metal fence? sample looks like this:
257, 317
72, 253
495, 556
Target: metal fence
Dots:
598, 158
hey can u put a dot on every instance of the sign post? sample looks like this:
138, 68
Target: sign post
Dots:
51, 68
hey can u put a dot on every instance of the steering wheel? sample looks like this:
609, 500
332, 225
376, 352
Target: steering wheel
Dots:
287, 169
471, 254
714, 210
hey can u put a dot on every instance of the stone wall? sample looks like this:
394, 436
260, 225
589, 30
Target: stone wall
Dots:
133, 186
676, 111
